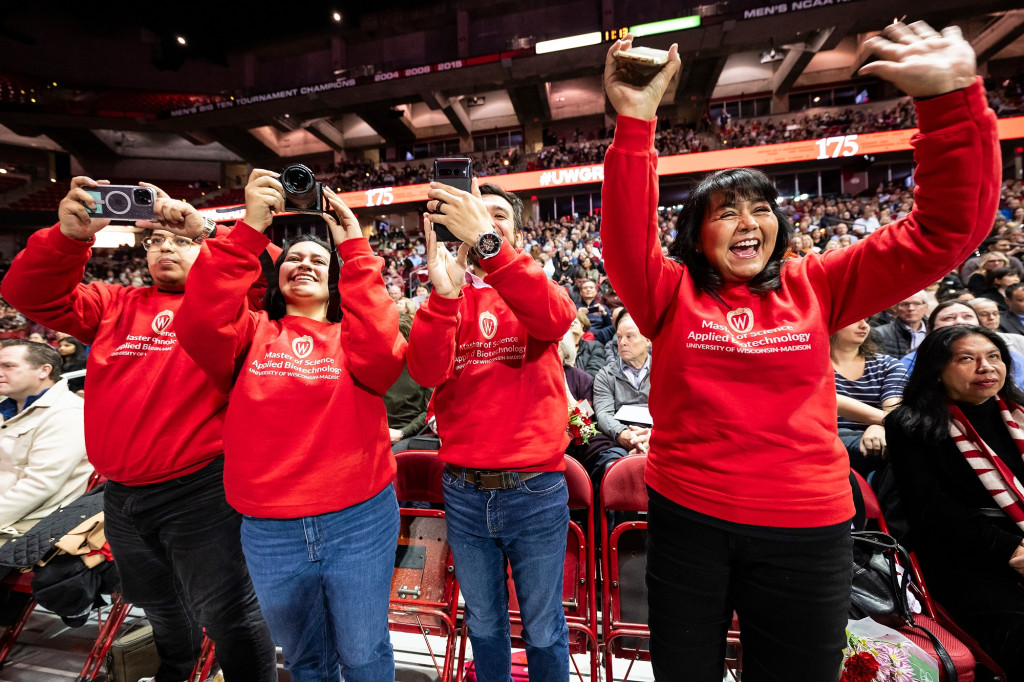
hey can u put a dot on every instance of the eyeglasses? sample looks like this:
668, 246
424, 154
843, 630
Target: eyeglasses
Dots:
910, 304
157, 242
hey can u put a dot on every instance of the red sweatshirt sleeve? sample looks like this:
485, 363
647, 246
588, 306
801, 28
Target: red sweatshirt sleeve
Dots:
435, 331
957, 177
214, 324
643, 278
369, 322
543, 307
44, 283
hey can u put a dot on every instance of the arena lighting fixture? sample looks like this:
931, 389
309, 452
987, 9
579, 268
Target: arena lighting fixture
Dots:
582, 40
181, 40
666, 26
336, 16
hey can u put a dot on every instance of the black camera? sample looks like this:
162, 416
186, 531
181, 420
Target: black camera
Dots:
301, 190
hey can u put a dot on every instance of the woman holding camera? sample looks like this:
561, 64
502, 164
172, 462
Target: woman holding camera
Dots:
307, 452
750, 506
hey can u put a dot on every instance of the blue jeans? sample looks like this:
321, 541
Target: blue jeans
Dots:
525, 528
324, 584
176, 548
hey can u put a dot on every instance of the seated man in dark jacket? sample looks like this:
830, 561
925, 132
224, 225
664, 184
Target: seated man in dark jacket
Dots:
907, 331
406, 403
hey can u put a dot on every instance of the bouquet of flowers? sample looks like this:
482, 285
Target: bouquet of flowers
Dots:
580, 428
875, 653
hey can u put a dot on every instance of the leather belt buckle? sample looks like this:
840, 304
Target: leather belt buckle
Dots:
484, 479
494, 480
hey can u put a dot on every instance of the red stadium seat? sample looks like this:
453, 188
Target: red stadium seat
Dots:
961, 647
424, 592
624, 566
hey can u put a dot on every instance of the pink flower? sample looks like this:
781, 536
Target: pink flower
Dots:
893, 664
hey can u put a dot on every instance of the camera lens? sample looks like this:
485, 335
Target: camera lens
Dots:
300, 186
118, 202
143, 196
297, 179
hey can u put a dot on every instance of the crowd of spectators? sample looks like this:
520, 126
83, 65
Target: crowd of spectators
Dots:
813, 125
360, 174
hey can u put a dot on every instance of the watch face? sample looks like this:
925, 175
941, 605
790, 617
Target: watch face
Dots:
488, 244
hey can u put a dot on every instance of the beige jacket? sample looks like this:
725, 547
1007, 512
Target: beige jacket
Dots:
42, 456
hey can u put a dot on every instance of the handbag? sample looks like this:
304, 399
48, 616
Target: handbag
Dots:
879, 591
133, 655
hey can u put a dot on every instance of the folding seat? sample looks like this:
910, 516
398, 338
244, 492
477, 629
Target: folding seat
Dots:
963, 650
579, 579
623, 572
424, 592
109, 626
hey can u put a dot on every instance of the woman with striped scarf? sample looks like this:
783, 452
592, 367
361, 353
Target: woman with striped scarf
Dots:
956, 444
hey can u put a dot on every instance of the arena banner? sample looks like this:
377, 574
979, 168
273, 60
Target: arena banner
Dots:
824, 148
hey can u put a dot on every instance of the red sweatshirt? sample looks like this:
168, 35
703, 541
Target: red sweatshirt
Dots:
492, 354
151, 414
306, 432
743, 395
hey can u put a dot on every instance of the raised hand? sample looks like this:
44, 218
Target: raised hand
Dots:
463, 213
178, 217
447, 274
263, 196
920, 61
75, 221
627, 95
349, 227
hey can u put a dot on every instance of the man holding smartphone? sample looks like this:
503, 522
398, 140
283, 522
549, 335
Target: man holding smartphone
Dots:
153, 425
490, 348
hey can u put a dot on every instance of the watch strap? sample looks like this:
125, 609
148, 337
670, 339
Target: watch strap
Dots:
209, 229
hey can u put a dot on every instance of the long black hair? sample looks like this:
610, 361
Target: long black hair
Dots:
924, 409
744, 183
70, 363
273, 299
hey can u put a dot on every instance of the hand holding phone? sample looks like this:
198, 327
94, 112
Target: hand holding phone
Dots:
454, 172
76, 221
636, 79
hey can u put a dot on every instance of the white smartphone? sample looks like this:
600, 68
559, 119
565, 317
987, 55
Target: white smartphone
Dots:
643, 56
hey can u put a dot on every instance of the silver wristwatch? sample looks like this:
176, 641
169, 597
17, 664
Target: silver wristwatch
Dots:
488, 245
209, 228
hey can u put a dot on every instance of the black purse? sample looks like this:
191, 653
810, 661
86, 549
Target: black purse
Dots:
880, 593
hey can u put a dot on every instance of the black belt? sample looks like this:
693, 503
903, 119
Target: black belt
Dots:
492, 480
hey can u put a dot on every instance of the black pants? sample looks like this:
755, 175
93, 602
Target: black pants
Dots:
791, 594
178, 551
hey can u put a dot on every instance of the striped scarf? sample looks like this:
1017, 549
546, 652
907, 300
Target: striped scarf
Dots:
997, 478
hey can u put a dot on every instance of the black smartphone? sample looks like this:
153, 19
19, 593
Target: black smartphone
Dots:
455, 172
122, 203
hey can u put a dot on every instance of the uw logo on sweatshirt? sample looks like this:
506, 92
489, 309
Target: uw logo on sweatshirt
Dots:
741, 320
162, 321
302, 346
488, 325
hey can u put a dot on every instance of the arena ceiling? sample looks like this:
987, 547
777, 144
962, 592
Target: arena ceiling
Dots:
403, 71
